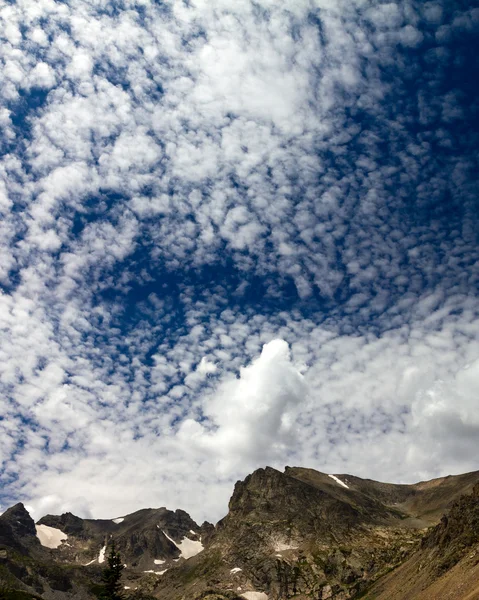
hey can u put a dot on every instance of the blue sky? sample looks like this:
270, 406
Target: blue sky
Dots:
231, 235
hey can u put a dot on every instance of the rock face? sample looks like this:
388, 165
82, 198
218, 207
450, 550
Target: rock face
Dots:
298, 534
17, 529
447, 563
142, 537
457, 531
26, 565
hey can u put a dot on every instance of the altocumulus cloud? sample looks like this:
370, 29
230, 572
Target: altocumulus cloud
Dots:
231, 235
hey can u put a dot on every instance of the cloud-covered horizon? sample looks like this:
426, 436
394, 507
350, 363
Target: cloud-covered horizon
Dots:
231, 236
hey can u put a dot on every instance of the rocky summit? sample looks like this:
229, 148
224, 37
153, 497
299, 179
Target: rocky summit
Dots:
295, 534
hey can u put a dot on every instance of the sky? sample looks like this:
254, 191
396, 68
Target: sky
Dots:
234, 234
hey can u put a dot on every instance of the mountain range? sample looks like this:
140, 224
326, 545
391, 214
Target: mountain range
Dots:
295, 534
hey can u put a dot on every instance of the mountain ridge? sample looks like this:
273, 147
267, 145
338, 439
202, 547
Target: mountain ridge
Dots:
298, 533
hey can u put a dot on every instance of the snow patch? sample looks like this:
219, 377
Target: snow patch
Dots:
49, 536
254, 595
236, 570
187, 547
90, 563
280, 546
156, 572
339, 481
119, 520
158, 561
101, 556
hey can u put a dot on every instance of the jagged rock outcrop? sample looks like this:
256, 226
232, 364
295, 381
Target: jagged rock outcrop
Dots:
17, 529
457, 531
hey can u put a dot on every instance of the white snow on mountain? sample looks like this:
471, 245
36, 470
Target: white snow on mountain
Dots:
339, 481
187, 547
280, 546
156, 572
101, 556
49, 536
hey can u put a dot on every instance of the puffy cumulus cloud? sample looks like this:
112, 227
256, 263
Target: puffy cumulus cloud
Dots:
42, 76
251, 419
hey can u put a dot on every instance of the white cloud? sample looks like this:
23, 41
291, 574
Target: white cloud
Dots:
446, 425
222, 189
42, 76
206, 367
251, 418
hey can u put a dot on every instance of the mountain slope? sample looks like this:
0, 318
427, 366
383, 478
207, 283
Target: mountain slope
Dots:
446, 566
307, 534
27, 566
298, 534
150, 542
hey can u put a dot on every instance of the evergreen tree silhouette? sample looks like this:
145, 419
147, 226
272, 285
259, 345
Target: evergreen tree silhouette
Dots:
111, 589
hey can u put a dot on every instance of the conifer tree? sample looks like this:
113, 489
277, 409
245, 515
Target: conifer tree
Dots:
111, 589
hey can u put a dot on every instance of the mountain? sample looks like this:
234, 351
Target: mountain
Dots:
145, 538
298, 533
150, 541
305, 534
17, 529
26, 565
446, 565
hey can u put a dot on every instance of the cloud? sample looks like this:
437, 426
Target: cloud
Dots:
251, 419
234, 234
445, 418
206, 367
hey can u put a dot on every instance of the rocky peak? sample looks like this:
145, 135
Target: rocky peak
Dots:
261, 483
310, 505
19, 521
67, 522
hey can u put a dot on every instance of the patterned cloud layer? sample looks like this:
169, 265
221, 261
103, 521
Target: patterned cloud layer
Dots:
231, 235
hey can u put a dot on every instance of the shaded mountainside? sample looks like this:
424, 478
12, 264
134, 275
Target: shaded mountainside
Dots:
27, 569
150, 542
17, 530
298, 534
446, 566
142, 537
